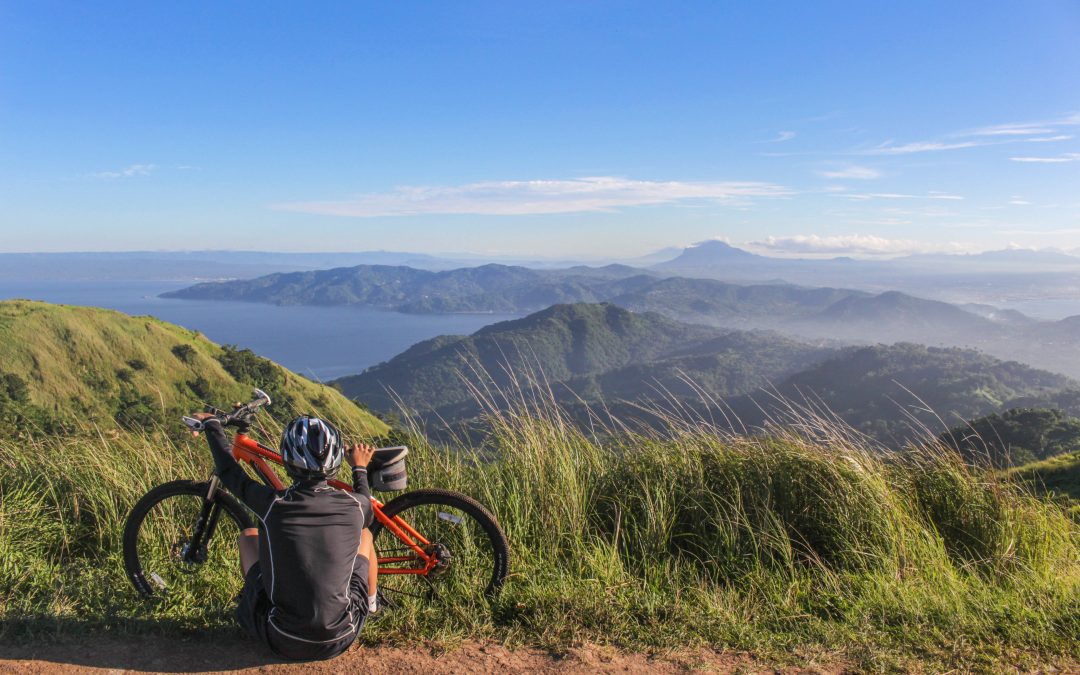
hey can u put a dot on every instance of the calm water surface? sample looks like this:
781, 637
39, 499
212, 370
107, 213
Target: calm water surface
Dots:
319, 342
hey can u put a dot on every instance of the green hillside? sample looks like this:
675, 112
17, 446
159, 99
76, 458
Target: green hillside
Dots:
1058, 476
556, 344
607, 359
595, 354
66, 366
902, 392
725, 366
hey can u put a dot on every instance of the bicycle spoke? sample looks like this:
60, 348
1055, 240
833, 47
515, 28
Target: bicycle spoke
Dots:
457, 543
180, 567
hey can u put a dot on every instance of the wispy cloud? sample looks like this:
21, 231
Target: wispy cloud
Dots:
888, 148
1048, 139
864, 196
856, 172
1017, 129
510, 198
848, 244
1047, 126
1058, 159
1030, 231
781, 137
998, 134
127, 172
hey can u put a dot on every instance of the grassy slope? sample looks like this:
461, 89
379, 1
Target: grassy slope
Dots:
775, 545
77, 360
1058, 476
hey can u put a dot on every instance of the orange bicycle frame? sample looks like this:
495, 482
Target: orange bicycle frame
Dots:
248, 451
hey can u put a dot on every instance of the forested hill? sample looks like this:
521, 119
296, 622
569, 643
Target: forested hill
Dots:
555, 344
1016, 436
502, 288
593, 351
488, 288
611, 359
63, 367
906, 391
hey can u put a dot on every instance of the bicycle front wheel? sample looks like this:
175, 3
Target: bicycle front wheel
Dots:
180, 544
470, 548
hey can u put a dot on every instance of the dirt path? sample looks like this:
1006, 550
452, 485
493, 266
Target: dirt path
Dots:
144, 654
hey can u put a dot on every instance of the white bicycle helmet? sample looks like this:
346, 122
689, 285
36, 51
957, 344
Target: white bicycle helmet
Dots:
311, 448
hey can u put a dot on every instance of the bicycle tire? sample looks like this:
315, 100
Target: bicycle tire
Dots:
500, 547
133, 565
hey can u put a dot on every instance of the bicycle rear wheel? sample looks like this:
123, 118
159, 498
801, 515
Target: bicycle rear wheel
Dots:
181, 545
472, 551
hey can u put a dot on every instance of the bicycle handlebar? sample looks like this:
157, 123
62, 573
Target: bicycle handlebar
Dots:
240, 414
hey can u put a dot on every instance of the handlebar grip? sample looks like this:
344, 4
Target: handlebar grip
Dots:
192, 423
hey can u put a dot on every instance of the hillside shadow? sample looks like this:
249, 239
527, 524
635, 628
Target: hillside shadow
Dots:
131, 645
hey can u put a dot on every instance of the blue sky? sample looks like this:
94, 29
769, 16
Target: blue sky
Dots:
548, 129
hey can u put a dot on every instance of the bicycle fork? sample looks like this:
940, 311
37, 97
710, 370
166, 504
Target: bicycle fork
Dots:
195, 551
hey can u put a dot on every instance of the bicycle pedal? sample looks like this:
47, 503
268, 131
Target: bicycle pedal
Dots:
383, 601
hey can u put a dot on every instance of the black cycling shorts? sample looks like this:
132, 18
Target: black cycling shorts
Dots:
253, 615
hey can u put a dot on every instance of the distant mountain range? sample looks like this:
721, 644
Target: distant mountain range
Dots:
1014, 275
717, 258
988, 278
604, 359
842, 315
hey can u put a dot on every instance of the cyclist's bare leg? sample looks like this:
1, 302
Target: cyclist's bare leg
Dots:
367, 549
249, 548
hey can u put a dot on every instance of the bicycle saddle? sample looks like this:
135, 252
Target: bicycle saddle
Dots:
385, 456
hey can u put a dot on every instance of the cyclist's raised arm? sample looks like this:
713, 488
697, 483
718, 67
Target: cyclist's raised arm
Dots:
257, 496
359, 456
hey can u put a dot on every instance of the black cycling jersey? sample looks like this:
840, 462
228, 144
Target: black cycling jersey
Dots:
307, 549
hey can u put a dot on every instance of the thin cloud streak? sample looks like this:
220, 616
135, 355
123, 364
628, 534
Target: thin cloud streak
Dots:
1067, 157
849, 244
887, 148
998, 134
863, 196
855, 172
127, 172
782, 137
1048, 139
1011, 130
534, 197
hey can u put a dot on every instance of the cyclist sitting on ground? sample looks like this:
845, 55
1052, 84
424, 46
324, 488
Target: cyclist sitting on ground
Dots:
309, 570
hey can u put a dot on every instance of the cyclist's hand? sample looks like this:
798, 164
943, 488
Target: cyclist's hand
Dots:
359, 454
200, 416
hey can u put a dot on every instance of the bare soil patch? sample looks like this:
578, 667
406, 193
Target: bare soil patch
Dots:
176, 655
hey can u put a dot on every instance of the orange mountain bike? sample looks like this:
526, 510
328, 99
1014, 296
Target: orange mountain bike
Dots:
180, 539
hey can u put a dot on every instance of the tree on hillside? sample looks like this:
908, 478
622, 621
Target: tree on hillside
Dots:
1016, 436
16, 410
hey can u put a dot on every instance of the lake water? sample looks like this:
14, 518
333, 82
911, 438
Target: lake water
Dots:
319, 342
